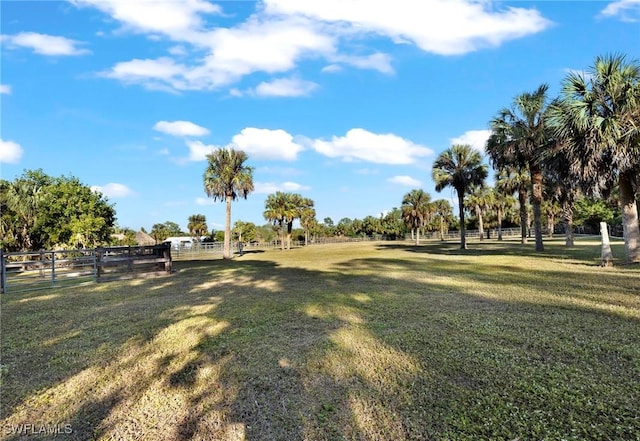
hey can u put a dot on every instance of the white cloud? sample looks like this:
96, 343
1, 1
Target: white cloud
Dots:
363, 145
475, 138
199, 151
378, 61
204, 201
180, 128
45, 44
5, 89
267, 144
331, 68
443, 27
407, 181
281, 34
113, 190
10, 152
271, 187
175, 19
287, 87
625, 10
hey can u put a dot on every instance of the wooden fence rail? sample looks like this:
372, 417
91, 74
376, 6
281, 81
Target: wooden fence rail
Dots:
48, 269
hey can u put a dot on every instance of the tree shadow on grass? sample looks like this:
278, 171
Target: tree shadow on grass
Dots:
367, 350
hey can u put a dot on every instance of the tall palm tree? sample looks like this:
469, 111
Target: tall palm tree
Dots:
598, 120
479, 201
416, 206
197, 225
443, 213
510, 180
307, 216
459, 167
280, 210
519, 137
227, 178
501, 202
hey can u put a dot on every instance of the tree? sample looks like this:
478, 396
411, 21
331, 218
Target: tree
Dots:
443, 213
226, 178
244, 231
510, 180
307, 220
197, 225
598, 120
479, 201
501, 202
40, 211
160, 232
21, 200
279, 209
519, 137
416, 207
459, 167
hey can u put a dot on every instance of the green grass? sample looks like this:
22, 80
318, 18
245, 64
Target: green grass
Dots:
373, 341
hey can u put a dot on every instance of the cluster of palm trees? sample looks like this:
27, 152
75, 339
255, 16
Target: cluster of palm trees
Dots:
586, 141
283, 208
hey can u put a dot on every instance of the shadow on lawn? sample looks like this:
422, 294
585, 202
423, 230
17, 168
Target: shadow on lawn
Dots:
270, 352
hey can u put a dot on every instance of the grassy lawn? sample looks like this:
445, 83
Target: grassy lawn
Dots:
367, 341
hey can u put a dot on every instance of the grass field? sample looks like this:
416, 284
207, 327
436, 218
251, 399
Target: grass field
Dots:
367, 341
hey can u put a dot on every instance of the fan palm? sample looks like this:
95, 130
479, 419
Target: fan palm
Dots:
461, 168
510, 180
416, 206
280, 209
443, 212
598, 120
227, 178
519, 137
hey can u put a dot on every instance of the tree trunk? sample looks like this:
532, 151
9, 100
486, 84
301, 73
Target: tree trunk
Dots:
226, 254
480, 223
417, 236
522, 199
551, 221
289, 229
442, 228
499, 223
463, 239
630, 225
567, 212
536, 182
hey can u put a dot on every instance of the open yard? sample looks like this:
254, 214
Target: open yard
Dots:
367, 341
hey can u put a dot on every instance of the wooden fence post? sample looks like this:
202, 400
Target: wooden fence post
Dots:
166, 253
99, 255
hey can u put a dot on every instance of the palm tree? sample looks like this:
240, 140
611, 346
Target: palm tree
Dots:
307, 218
197, 225
443, 212
519, 137
227, 178
23, 198
280, 210
459, 167
598, 120
501, 202
479, 201
416, 206
510, 180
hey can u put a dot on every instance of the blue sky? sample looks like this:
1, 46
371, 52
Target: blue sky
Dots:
345, 102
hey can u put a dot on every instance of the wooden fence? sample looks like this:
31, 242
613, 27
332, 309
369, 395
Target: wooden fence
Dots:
48, 269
